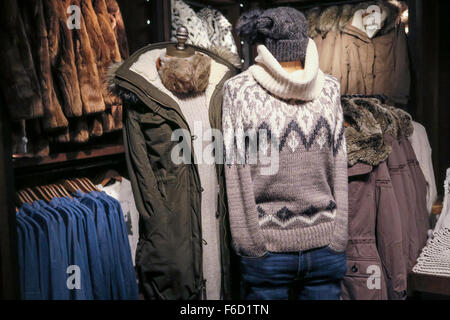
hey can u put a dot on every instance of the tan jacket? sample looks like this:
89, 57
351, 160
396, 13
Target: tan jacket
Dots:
373, 66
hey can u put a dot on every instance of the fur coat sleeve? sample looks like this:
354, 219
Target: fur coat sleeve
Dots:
19, 81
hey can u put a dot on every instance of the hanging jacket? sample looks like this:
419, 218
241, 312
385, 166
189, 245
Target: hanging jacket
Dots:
168, 196
88, 74
62, 58
220, 30
421, 213
101, 52
364, 65
21, 90
422, 148
376, 269
118, 27
34, 22
207, 29
375, 66
112, 47
408, 183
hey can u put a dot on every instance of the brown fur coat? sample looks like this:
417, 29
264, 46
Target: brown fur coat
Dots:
119, 28
107, 30
98, 43
109, 36
62, 58
19, 82
33, 17
88, 75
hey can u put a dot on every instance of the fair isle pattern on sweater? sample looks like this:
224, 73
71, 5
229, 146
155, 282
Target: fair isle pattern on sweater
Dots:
312, 124
298, 207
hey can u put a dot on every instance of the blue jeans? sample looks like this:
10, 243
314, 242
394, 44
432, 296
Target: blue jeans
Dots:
309, 275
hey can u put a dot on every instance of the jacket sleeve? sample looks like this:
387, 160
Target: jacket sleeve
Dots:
389, 235
246, 237
340, 182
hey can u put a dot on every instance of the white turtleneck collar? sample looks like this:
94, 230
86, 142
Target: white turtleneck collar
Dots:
305, 85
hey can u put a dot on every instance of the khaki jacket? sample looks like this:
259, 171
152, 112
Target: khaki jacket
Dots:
168, 195
378, 66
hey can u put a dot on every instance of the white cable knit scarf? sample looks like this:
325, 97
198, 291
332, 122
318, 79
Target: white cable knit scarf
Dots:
304, 85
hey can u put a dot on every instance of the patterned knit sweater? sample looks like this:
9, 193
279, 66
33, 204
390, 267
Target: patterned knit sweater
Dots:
301, 203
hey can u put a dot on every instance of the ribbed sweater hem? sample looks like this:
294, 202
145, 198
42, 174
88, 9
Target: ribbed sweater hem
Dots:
282, 240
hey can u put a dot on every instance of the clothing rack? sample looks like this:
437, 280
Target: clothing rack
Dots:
48, 173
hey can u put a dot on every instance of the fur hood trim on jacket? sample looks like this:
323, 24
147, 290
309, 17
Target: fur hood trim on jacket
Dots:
185, 75
124, 94
338, 17
217, 54
404, 122
329, 20
392, 121
364, 137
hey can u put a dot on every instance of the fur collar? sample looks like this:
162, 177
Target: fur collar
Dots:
404, 122
145, 66
185, 75
329, 20
393, 121
365, 143
313, 16
338, 18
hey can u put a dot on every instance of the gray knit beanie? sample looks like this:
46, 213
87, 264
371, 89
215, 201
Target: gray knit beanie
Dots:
284, 31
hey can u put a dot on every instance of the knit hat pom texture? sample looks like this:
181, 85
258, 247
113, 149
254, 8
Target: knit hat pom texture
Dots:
283, 30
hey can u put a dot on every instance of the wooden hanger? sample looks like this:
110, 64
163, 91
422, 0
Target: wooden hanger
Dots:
91, 184
56, 190
48, 192
26, 196
43, 195
63, 190
111, 175
70, 186
32, 194
22, 200
51, 192
86, 188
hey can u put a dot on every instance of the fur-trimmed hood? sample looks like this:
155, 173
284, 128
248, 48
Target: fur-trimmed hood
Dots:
339, 17
393, 121
364, 136
142, 65
369, 121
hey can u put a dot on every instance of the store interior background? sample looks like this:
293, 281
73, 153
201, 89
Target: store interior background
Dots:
149, 21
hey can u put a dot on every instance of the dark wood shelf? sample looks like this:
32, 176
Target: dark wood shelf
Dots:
424, 283
102, 151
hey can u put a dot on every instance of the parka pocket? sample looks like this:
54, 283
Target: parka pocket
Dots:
175, 190
364, 280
